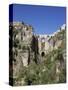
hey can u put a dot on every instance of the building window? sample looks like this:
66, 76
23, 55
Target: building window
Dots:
43, 40
42, 45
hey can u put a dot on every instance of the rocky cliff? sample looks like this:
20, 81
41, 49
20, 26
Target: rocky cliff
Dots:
34, 59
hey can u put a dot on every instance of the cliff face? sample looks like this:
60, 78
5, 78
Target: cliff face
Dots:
47, 43
21, 38
28, 50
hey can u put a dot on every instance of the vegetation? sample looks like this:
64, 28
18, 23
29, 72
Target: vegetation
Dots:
50, 70
45, 73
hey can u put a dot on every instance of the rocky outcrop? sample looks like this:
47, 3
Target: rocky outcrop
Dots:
27, 48
47, 43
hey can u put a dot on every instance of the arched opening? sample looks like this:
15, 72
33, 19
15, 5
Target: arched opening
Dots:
42, 54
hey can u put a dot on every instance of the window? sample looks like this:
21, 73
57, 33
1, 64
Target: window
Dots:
43, 39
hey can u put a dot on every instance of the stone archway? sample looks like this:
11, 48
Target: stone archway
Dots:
42, 54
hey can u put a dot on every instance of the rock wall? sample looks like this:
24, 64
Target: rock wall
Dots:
26, 47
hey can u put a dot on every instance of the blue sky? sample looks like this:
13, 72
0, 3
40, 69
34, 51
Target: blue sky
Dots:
44, 19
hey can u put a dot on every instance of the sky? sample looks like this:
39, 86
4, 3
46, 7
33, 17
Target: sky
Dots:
44, 19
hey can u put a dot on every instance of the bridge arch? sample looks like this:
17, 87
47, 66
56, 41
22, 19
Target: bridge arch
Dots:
43, 54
